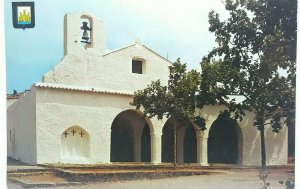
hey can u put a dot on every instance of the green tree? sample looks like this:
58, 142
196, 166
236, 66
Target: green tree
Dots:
255, 57
177, 99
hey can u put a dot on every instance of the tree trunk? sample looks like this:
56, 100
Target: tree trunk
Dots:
261, 121
262, 146
175, 146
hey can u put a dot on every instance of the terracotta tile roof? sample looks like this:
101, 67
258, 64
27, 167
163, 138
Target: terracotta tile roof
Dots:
82, 88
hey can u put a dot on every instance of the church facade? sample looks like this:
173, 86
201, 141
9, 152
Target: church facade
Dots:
80, 114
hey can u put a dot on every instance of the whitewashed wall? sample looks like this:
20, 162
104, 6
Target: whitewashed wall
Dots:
57, 110
21, 125
10, 101
91, 67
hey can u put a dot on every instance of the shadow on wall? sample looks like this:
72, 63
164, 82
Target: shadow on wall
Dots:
275, 146
251, 148
13, 162
276, 150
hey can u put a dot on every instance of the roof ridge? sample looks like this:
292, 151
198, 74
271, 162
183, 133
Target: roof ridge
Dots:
118, 49
134, 43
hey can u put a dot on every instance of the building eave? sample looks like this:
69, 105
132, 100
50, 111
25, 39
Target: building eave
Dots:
82, 88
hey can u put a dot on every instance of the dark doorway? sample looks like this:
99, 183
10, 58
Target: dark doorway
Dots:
186, 140
167, 143
223, 142
190, 145
121, 141
146, 144
130, 138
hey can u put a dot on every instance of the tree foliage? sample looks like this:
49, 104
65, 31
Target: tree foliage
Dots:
255, 57
177, 99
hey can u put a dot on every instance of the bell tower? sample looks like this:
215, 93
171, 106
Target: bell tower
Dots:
83, 32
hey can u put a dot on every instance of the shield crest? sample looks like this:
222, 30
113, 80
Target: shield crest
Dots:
23, 14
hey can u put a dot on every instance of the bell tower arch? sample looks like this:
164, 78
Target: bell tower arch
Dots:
81, 27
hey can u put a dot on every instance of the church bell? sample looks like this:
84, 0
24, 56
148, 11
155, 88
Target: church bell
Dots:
85, 36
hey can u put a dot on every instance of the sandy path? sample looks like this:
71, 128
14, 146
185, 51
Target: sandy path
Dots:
242, 179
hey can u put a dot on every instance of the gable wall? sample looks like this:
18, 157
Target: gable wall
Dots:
113, 71
89, 66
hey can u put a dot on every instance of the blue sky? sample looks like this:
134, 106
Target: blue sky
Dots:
171, 28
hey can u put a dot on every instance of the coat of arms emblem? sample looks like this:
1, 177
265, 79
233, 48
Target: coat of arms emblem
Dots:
23, 14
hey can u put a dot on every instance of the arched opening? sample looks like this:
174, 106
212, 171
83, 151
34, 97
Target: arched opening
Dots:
75, 145
168, 142
87, 35
186, 142
146, 144
223, 141
122, 141
130, 138
190, 145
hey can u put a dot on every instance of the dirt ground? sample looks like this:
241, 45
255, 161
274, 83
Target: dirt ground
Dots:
237, 179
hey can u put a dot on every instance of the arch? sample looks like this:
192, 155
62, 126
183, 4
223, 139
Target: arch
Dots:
167, 153
240, 144
130, 137
190, 145
146, 144
186, 142
75, 145
224, 142
121, 141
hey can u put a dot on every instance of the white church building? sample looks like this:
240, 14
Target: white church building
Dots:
80, 114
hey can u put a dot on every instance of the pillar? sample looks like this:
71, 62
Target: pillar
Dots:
203, 149
199, 145
156, 147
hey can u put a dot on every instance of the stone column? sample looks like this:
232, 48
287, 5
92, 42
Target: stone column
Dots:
156, 147
203, 148
199, 136
156, 134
